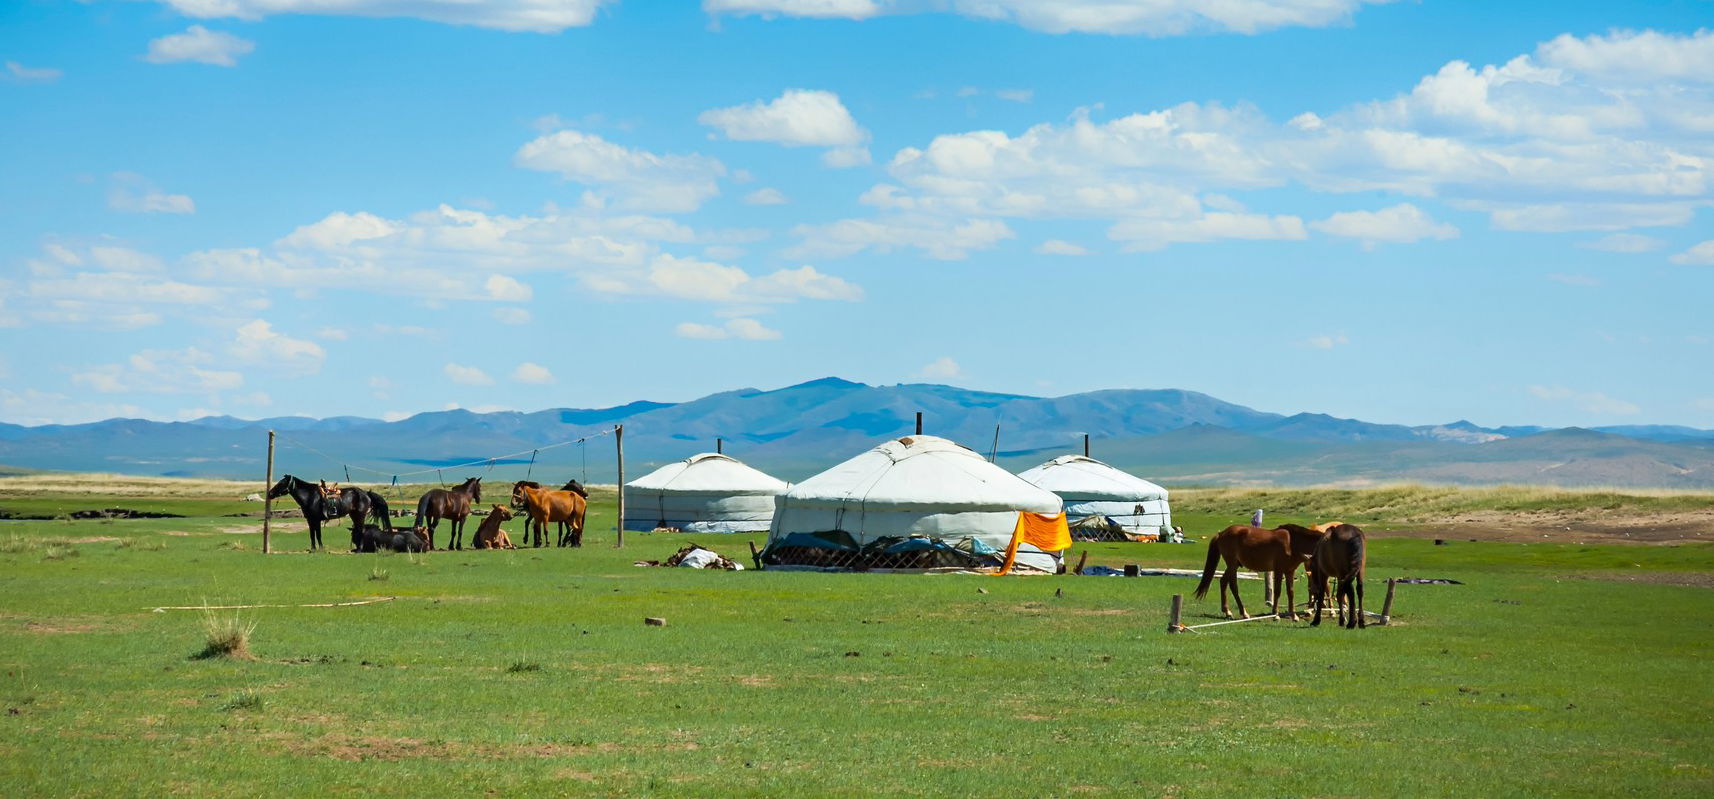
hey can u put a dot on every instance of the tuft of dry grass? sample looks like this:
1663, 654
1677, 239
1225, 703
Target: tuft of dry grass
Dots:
226, 636
244, 700
141, 544
379, 574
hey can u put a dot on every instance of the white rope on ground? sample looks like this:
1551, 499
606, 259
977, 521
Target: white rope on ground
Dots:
246, 607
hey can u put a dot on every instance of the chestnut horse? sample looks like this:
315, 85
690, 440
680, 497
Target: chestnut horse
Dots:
1342, 555
489, 535
452, 505
564, 528
1303, 541
566, 507
1255, 548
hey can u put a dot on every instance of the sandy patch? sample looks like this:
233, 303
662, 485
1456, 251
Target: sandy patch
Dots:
1568, 527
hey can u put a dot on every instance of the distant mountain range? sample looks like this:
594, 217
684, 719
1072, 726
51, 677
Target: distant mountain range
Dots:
1172, 436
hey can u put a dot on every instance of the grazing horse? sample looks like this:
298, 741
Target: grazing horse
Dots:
375, 539
489, 535
452, 505
1341, 555
1256, 548
319, 506
1303, 541
566, 507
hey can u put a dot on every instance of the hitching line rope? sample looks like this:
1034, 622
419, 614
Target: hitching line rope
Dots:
436, 469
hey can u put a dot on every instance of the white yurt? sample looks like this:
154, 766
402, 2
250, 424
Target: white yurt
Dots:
916, 502
707, 493
1090, 488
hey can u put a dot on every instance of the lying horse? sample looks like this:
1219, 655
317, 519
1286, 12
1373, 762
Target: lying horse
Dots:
375, 539
1341, 554
1255, 548
568, 508
489, 535
452, 505
319, 506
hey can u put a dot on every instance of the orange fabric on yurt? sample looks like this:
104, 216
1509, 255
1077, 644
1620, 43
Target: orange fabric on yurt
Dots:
1047, 533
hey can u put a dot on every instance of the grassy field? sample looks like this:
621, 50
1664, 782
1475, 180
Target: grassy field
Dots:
1563, 669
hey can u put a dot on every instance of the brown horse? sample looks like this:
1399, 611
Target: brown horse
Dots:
489, 535
1324, 526
1303, 541
1255, 548
568, 508
453, 505
1341, 555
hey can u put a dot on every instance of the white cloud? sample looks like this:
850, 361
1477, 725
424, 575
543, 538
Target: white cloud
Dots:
1589, 401
467, 375
936, 238
201, 45
1155, 234
340, 229
1016, 95
18, 73
1636, 56
1545, 142
1584, 281
942, 368
258, 343
797, 118
532, 373
1402, 223
1327, 342
532, 16
512, 316
135, 194
123, 259
740, 328
1624, 242
765, 197
1699, 255
507, 289
159, 372
635, 179
108, 286
35, 407
1060, 247
1155, 18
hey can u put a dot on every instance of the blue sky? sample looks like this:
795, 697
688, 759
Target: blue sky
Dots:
1402, 212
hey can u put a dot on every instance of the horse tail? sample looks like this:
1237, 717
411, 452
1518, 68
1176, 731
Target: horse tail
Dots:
378, 509
1208, 569
422, 510
1358, 556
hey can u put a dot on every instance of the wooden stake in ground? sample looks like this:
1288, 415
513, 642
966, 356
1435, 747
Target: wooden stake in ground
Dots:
1173, 625
619, 442
268, 502
1387, 606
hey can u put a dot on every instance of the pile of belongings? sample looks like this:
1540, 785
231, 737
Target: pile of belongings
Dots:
838, 550
695, 557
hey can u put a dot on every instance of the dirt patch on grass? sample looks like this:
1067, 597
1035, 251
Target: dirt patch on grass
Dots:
68, 625
1689, 579
1569, 527
92, 539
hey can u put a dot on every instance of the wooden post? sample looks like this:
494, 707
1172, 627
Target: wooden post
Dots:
619, 441
267, 502
994, 452
1387, 606
919, 423
719, 446
1173, 625
1085, 445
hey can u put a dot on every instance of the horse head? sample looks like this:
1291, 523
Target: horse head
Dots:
503, 513
475, 484
283, 487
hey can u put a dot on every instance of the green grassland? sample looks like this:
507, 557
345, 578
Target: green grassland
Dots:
1557, 668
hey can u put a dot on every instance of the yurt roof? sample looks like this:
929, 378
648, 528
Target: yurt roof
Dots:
1084, 477
926, 471
709, 472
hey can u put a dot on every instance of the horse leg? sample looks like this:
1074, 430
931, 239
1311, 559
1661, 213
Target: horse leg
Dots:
1291, 593
1317, 591
1362, 619
1230, 581
314, 534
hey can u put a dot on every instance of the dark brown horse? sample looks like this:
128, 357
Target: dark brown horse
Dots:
323, 506
1303, 541
1341, 555
1255, 548
452, 505
568, 508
